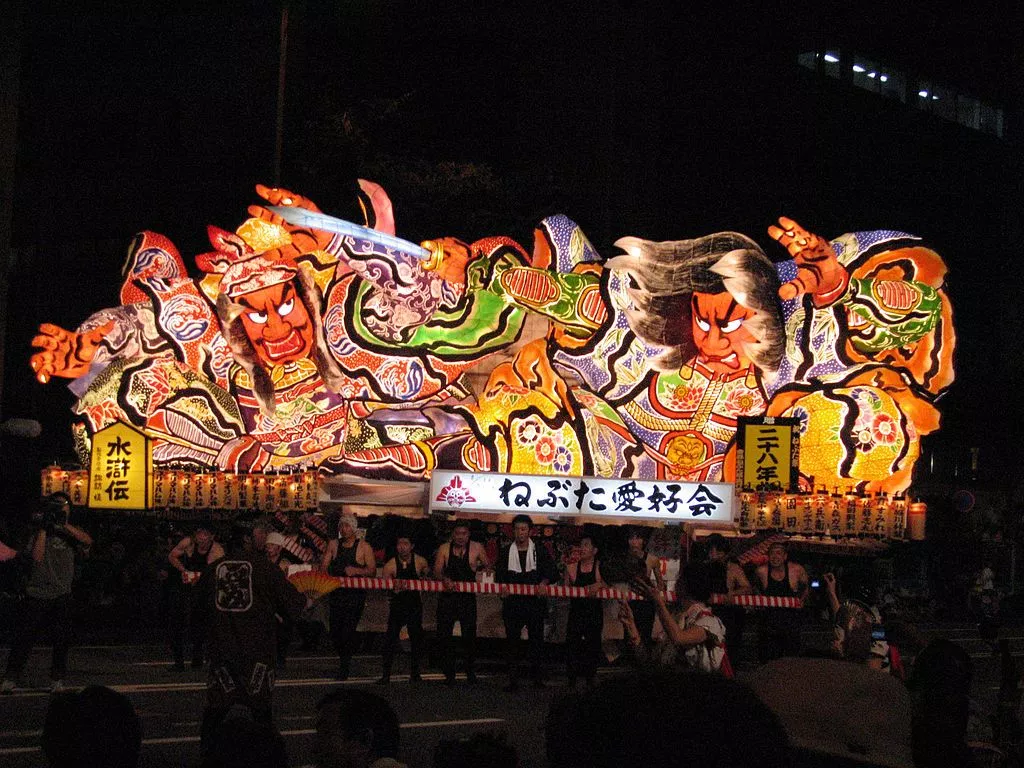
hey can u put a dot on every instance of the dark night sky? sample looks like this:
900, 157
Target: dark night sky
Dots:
663, 120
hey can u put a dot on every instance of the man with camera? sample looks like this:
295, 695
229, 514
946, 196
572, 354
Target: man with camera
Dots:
51, 550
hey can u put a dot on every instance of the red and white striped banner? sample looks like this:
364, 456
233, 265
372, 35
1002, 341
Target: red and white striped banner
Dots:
553, 590
757, 601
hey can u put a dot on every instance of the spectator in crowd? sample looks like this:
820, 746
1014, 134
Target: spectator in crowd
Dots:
664, 716
523, 562
190, 559
779, 632
356, 729
836, 713
243, 593
93, 727
481, 750
262, 527
457, 561
52, 549
694, 636
858, 633
406, 608
347, 555
645, 566
241, 742
727, 578
586, 615
941, 689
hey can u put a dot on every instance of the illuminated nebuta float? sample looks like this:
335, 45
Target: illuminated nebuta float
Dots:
301, 347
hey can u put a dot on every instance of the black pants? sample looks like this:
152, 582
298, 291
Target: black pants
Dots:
779, 634
643, 614
583, 639
460, 608
285, 630
519, 612
33, 619
406, 610
241, 688
346, 610
734, 619
186, 615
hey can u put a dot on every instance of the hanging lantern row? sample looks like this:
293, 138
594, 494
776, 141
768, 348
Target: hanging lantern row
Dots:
834, 515
182, 489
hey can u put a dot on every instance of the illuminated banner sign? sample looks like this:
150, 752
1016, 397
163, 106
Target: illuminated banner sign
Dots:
589, 496
769, 452
119, 476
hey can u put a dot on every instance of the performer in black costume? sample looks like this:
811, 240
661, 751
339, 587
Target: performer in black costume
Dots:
458, 561
347, 555
406, 609
586, 616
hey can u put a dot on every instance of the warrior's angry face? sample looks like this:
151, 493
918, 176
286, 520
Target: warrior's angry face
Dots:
720, 331
277, 323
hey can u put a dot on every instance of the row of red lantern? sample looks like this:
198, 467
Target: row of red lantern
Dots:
835, 516
181, 489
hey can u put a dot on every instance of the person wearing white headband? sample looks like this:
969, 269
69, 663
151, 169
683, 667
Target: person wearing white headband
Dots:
524, 563
347, 555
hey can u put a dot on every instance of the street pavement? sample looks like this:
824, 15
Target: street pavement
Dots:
170, 703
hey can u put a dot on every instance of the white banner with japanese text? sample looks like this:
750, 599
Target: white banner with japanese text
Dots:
582, 496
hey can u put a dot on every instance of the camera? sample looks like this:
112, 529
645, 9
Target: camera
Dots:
878, 633
53, 512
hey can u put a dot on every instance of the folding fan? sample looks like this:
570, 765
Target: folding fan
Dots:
314, 584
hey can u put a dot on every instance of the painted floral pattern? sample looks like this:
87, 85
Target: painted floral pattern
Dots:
744, 401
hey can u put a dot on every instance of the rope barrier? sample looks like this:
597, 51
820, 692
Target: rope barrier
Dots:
524, 590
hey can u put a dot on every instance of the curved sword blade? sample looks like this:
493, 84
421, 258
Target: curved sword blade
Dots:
300, 217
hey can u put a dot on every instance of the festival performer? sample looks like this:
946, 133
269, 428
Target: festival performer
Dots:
53, 546
779, 633
586, 615
298, 347
458, 561
347, 555
523, 562
190, 559
405, 609
244, 594
727, 578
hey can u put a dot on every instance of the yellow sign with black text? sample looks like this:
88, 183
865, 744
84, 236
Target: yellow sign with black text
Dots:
768, 455
119, 474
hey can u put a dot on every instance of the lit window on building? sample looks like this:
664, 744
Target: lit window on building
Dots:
831, 63
931, 97
893, 85
865, 74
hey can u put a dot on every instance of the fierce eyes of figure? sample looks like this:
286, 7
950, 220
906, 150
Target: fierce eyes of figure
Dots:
724, 326
283, 310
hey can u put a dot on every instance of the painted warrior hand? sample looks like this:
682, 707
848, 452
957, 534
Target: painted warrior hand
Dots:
819, 272
65, 353
304, 240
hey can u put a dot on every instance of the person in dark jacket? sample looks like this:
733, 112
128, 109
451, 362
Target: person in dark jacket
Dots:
244, 592
523, 562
